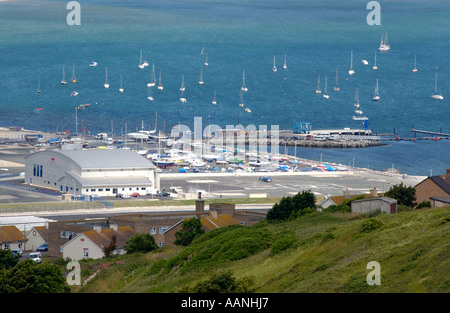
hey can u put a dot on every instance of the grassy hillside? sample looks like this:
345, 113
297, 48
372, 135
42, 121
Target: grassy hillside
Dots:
320, 252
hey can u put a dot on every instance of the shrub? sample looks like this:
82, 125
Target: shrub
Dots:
424, 204
403, 195
190, 229
224, 283
370, 225
300, 204
284, 243
140, 243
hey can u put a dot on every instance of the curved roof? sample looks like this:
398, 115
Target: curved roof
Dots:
104, 159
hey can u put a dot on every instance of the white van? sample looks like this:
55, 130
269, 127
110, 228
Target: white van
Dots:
36, 257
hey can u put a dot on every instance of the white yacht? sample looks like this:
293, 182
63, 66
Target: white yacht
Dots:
93, 64
152, 83
436, 95
244, 87
106, 81
384, 46
201, 82
336, 88
214, 99
285, 65
121, 88
182, 88
325, 95
377, 95
150, 94
375, 67
415, 67
274, 67
351, 70
160, 86
318, 85
64, 82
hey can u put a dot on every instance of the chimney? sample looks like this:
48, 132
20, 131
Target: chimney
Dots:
114, 227
98, 229
199, 207
448, 171
374, 192
347, 193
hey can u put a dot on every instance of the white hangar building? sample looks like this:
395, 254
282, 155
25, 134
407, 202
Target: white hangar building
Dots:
92, 172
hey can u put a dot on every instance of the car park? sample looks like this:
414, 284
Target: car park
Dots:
43, 247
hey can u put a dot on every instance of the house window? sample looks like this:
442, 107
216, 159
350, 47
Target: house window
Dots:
61, 249
62, 234
40, 172
162, 229
108, 189
85, 252
242, 223
93, 189
153, 230
6, 246
100, 189
143, 188
87, 190
161, 244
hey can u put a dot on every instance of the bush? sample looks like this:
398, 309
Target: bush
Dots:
370, 225
140, 243
284, 243
190, 229
424, 204
403, 195
300, 204
224, 283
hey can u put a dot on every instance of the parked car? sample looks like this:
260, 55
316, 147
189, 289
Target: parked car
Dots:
17, 252
43, 247
135, 194
36, 257
266, 179
163, 194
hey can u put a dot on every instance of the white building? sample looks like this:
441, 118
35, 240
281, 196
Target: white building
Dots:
92, 172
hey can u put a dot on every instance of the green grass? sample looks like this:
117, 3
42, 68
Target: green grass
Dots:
320, 252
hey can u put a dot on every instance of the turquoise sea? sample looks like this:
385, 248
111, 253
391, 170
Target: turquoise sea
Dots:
175, 36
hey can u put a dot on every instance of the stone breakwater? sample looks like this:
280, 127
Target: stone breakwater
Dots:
347, 144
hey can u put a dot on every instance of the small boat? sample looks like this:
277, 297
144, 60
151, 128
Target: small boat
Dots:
39, 85
244, 87
74, 79
150, 94
64, 82
201, 82
182, 88
377, 96
351, 71
436, 95
384, 46
106, 85
285, 65
248, 110
153, 82
74, 93
93, 64
415, 68
325, 95
241, 104
375, 67
121, 88
336, 88
274, 68
141, 64
365, 62
160, 86
318, 85
39, 109
214, 99
182, 98
206, 60
145, 64
359, 113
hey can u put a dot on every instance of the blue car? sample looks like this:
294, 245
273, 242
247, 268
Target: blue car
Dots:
43, 247
265, 179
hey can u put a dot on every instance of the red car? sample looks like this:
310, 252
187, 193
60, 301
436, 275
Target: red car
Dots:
136, 194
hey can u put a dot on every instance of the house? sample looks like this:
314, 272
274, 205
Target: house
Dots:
36, 236
92, 173
371, 205
440, 202
91, 243
338, 200
11, 238
433, 187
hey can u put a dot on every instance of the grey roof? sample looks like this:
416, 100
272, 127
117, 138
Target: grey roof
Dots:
384, 199
441, 199
140, 181
106, 159
441, 182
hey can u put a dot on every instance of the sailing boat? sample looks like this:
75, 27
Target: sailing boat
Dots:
351, 71
384, 46
182, 88
243, 88
141, 65
214, 100
377, 96
318, 85
153, 82
241, 104
336, 88
64, 82
325, 95
106, 78
150, 94
160, 86
274, 67
39, 85
74, 80
285, 65
201, 82
358, 111
121, 88
182, 98
375, 67
415, 68
206, 60
436, 95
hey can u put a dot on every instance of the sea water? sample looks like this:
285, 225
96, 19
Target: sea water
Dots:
175, 36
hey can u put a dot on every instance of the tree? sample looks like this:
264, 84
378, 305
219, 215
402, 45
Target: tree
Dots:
140, 243
190, 229
111, 247
7, 259
300, 204
404, 195
30, 277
